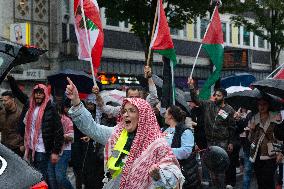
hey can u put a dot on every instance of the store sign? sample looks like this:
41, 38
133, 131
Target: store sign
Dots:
20, 33
236, 59
31, 74
108, 79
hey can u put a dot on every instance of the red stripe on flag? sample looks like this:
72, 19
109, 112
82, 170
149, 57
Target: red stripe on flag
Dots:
164, 39
215, 33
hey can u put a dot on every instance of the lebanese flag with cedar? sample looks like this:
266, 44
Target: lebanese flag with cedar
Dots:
94, 40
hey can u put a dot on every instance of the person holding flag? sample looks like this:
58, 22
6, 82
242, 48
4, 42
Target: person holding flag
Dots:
219, 122
212, 43
136, 153
162, 43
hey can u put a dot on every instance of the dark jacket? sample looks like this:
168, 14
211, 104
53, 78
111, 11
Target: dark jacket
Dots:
24, 99
52, 130
219, 130
8, 127
199, 131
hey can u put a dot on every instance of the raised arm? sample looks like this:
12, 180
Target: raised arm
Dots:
107, 109
22, 97
152, 98
83, 118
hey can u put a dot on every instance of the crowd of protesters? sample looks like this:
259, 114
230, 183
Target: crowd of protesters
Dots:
139, 144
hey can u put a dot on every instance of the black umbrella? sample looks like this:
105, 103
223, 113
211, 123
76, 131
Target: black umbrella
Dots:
216, 159
248, 99
15, 172
82, 80
179, 93
12, 54
271, 86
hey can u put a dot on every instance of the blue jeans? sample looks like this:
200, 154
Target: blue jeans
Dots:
248, 166
57, 172
41, 163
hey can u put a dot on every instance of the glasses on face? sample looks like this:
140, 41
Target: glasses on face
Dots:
130, 110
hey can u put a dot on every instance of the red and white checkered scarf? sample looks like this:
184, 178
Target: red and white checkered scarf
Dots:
38, 120
148, 148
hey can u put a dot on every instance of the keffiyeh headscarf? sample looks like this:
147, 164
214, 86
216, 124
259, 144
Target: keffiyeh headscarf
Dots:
38, 121
148, 148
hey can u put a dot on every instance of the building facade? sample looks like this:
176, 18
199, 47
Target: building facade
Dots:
52, 28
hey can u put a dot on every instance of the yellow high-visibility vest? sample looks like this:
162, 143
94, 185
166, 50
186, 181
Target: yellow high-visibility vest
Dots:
116, 153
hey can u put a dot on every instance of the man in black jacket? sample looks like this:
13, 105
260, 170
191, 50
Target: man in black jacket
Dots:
220, 129
43, 132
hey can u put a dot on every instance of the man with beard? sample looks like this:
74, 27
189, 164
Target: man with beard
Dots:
43, 132
9, 120
220, 127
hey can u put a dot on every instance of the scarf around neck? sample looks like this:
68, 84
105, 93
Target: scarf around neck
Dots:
135, 171
38, 121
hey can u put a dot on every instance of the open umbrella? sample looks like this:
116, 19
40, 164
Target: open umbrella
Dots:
233, 89
243, 79
271, 86
82, 80
12, 54
115, 95
248, 99
179, 93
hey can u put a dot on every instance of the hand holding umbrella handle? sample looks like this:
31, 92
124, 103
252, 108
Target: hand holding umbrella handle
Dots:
72, 93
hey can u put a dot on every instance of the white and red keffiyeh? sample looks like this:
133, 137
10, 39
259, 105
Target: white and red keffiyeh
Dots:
148, 148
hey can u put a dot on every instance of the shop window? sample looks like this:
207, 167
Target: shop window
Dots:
224, 29
174, 31
203, 26
184, 31
195, 29
260, 42
126, 24
112, 22
246, 37
231, 34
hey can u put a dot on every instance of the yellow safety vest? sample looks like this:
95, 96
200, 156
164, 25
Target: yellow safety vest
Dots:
116, 153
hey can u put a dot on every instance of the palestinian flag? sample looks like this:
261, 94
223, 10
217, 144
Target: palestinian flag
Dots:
91, 37
162, 43
213, 45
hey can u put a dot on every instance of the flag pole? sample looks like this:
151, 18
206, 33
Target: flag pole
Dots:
279, 67
88, 41
152, 34
201, 44
173, 82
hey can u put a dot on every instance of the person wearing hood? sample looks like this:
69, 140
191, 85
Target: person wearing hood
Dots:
44, 136
136, 153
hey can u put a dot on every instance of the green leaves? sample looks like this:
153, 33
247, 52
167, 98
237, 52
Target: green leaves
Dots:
258, 16
140, 14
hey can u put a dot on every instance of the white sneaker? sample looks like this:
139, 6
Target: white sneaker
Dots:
229, 187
